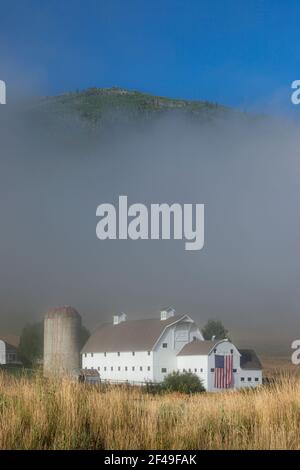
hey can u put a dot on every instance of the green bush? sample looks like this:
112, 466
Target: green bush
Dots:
183, 382
153, 388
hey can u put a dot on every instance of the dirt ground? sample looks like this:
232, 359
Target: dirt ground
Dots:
275, 365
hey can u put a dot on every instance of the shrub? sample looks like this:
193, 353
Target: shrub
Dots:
153, 388
183, 382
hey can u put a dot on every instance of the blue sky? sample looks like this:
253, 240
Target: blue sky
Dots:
238, 53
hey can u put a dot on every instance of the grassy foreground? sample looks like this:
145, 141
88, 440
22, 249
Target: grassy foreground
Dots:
40, 414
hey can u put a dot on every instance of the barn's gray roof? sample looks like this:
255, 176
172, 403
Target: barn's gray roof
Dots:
249, 360
11, 341
131, 335
197, 348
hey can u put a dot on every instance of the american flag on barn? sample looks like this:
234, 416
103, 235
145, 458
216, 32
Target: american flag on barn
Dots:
223, 371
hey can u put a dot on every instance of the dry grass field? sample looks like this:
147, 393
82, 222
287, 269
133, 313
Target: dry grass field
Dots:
274, 366
40, 414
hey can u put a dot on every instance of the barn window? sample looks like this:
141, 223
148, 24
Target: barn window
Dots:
119, 368
85, 355
163, 370
215, 350
149, 353
105, 368
98, 368
201, 370
141, 368
105, 354
165, 345
195, 370
242, 379
92, 354
111, 368
212, 370
148, 368
126, 368
133, 353
231, 351
183, 370
190, 370
118, 354
133, 368
256, 379
249, 379
233, 370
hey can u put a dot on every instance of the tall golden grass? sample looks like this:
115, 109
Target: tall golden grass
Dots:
39, 414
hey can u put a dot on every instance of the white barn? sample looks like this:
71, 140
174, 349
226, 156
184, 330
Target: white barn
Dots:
140, 351
9, 351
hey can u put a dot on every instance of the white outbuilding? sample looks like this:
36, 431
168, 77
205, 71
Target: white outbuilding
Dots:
140, 351
220, 364
9, 351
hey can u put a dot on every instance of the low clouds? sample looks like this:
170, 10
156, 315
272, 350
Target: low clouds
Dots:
55, 171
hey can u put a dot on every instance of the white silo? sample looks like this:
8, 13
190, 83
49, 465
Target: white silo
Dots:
61, 341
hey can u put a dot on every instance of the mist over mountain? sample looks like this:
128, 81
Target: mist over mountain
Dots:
62, 156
